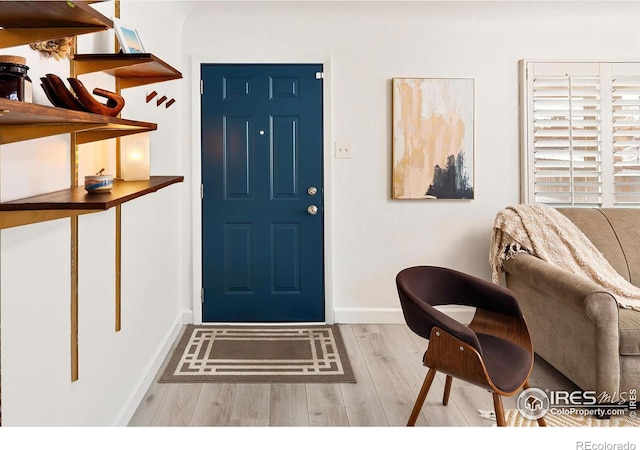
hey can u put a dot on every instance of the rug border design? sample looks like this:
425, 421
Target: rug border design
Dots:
168, 374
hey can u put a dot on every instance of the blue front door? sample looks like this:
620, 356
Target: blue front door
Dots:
262, 209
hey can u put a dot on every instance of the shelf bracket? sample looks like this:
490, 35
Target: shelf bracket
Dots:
118, 286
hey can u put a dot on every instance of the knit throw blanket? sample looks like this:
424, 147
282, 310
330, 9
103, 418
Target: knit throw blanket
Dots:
545, 233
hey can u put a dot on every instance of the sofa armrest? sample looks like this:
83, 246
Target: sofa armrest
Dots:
568, 303
554, 281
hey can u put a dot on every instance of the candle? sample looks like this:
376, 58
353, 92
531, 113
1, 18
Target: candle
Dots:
134, 157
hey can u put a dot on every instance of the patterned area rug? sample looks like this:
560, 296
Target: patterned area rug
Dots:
514, 419
259, 354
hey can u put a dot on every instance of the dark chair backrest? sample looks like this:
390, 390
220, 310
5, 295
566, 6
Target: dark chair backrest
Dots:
420, 288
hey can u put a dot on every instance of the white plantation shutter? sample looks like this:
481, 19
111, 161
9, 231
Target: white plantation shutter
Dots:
626, 140
581, 133
566, 140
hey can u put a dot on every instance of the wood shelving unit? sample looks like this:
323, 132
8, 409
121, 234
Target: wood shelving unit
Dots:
133, 69
24, 22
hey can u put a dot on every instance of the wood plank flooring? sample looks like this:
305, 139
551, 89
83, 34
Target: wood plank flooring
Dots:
387, 363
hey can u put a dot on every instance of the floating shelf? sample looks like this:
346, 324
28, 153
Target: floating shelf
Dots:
24, 22
21, 121
133, 69
76, 201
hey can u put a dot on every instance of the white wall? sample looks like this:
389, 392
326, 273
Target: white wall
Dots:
115, 369
369, 43
372, 237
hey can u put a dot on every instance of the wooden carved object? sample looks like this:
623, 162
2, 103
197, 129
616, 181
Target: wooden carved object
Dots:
61, 93
114, 104
51, 94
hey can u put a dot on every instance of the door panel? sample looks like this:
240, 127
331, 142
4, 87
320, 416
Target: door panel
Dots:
284, 157
286, 257
261, 151
238, 240
238, 169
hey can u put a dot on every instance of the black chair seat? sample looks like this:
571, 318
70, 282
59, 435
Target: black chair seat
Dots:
508, 364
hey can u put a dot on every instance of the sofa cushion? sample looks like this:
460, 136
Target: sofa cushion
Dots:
625, 223
629, 324
596, 226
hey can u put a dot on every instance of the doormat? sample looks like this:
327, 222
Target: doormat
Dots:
259, 354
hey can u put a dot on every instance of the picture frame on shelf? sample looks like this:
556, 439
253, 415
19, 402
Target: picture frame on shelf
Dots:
128, 38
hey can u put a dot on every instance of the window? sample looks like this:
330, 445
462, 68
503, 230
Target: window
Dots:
581, 133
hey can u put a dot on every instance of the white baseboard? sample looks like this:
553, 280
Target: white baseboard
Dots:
462, 314
148, 375
368, 315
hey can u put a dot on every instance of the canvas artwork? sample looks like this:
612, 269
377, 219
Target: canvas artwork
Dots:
433, 138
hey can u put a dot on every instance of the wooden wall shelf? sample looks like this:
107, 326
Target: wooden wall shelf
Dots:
21, 121
24, 22
76, 201
133, 69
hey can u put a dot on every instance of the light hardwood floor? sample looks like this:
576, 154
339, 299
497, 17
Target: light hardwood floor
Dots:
387, 363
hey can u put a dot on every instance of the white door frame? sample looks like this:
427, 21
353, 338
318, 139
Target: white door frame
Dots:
196, 121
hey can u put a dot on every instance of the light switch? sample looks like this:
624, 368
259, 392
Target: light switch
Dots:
343, 150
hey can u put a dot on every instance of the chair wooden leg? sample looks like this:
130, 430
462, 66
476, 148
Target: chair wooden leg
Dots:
421, 397
447, 390
542, 422
497, 405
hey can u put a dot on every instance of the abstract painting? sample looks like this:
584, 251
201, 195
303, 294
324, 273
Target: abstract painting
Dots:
433, 138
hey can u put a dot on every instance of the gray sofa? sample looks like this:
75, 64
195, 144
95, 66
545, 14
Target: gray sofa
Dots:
575, 325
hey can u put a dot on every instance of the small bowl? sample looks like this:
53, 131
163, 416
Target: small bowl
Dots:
98, 184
